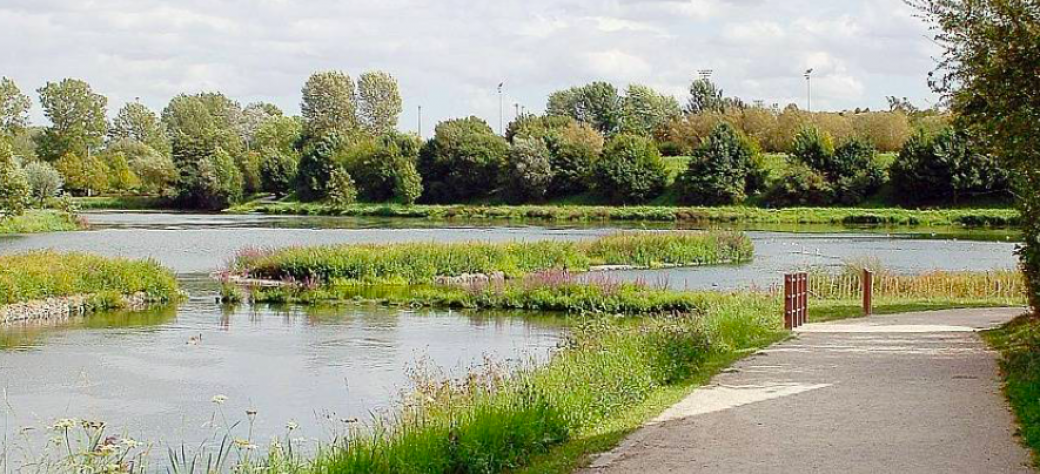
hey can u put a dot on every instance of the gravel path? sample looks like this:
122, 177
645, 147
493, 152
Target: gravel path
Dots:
915, 392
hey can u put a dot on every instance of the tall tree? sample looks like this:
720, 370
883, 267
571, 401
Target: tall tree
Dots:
199, 124
645, 110
329, 104
77, 116
989, 75
14, 107
378, 102
135, 121
253, 116
705, 96
597, 104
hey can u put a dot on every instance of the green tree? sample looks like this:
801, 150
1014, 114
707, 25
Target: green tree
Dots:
199, 126
945, 168
800, 185
87, 175
630, 171
278, 173
597, 104
44, 181
814, 148
644, 110
724, 169
155, 171
218, 183
341, 188
329, 105
135, 121
384, 168
705, 96
15, 192
462, 161
378, 102
254, 116
528, 173
14, 107
316, 166
278, 135
573, 153
249, 165
77, 117
120, 177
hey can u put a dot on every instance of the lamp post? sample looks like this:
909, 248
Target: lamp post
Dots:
808, 89
420, 121
501, 131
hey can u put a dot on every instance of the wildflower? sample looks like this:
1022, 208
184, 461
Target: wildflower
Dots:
128, 443
219, 399
106, 449
244, 444
64, 424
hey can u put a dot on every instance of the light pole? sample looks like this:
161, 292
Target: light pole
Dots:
808, 90
420, 121
500, 130
516, 110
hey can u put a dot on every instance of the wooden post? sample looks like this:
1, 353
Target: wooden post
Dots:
804, 292
868, 292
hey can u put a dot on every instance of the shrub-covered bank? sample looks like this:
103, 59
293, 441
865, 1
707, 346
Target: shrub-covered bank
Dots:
725, 214
419, 263
41, 275
1019, 346
39, 221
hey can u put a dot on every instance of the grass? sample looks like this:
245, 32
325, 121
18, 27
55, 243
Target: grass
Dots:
419, 263
35, 221
1019, 346
45, 274
122, 203
989, 217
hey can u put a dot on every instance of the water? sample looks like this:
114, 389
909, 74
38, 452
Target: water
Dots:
148, 374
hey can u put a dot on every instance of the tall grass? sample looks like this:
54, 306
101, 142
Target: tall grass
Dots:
848, 284
35, 221
44, 274
725, 214
417, 263
1019, 346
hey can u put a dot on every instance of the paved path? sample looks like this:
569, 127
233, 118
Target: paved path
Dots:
913, 393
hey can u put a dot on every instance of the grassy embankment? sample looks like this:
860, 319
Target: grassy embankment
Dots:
46, 274
1019, 346
39, 221
122, 203
707, 215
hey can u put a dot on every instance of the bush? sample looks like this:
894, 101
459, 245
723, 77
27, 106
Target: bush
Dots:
384, 168
315, 167
813, 148
86, 175
249, 165
15, 190
217, 185
851, 171
945, 167
341, 189
888, 131
155, 171
120, 176
723, 169
800, 185
44, 181
630, 171
572, 153
537, 126
277, 173
527, 173
462, 161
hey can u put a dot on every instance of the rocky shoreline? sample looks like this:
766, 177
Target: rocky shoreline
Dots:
63, 308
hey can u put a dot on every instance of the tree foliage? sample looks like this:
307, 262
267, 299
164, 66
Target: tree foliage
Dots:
86, 175
341, 188
644, 110
597, 104
573, 153
630, 170
44, 181
15, 191
384, 168
528, 172
705, 97
77, 116
135, 121
462, 161
278, 173
329, 105
218, 183
378, 102
316, 166
945, 167
14, 107
724, 169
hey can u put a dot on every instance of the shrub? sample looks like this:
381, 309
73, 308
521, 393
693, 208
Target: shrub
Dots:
156, 172
537, 126
249, 165
462, 161
341, 188
527, 173
573, 153
384, 168
813, 147
888, 131
86, 175
44, 180
630, 171
851, 171
217, 185
120, 176
800, 185
945, 167
315, 167
722, 169
277, 173
15, 190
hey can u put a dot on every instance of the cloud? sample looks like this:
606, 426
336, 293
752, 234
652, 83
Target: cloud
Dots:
449, 55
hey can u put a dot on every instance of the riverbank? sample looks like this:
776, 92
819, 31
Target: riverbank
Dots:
34, 221
996, 217
46, 285
424, 263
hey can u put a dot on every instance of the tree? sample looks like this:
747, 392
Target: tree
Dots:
253, 117
135, 121
77, 116
945, 167
120, 177
315, 168
644, 110
15, 191
462, 161
14, 107
528, 173
705, 96
44, 181
724, 169
218, 183
155, 171
329, 105
277, 173
596, 104
800, 185
278, 135
341, 188
86, 175
573, 153
630, 171
541, 127
378, 102
851, 171
886, 130
384, 168
199, 126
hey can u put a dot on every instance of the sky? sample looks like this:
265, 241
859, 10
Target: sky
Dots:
450, 55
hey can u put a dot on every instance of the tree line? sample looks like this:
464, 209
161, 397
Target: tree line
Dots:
207, 151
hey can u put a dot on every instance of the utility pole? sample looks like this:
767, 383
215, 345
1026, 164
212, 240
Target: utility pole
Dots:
420, 121
516, 110
501, 131
808, 90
